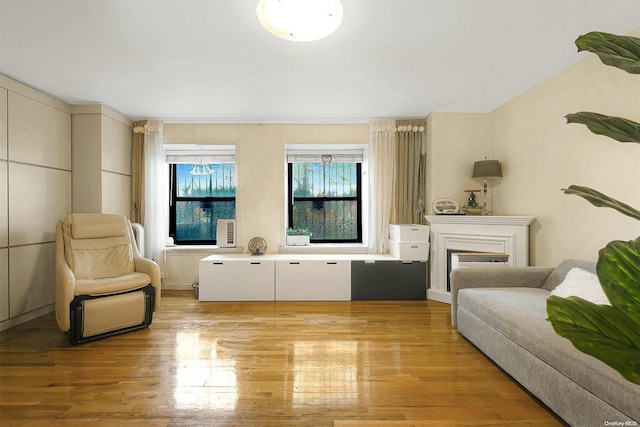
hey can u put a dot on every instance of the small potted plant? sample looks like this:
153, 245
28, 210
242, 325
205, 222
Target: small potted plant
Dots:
471, 207
298, 237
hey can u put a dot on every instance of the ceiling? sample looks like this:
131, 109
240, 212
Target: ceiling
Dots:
211, 61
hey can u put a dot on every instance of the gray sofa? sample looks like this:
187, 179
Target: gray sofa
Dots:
503, 313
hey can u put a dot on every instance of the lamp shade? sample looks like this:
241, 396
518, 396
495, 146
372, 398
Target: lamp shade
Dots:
300, 20
487, 169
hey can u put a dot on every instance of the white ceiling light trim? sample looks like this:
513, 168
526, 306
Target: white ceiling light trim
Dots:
300, 20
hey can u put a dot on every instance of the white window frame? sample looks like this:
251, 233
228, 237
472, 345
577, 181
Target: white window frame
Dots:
194, 154
298, 149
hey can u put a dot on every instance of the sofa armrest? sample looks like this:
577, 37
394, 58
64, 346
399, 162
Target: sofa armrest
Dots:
462, 278
144, 265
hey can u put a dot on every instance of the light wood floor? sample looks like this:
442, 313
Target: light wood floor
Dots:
263, 364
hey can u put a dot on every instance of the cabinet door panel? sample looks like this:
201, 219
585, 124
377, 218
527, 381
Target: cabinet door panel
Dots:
388, 280
313, 280
236, 281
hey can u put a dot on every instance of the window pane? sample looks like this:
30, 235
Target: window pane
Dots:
197, 220
329, 220
221, 182
320, 180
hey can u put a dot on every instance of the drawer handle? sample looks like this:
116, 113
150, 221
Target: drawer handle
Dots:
255, 263
218, 263
294, 263
332, 262
415, 247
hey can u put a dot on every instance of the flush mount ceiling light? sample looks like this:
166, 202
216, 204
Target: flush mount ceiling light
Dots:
300, 20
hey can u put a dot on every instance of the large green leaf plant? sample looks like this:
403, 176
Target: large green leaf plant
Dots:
609, 333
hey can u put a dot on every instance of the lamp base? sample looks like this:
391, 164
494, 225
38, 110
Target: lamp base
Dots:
485, 210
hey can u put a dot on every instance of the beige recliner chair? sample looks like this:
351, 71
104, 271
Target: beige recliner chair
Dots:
103, 285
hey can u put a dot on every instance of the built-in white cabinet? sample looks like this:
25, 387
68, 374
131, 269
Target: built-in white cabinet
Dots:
309, 277
237, 279
301, 280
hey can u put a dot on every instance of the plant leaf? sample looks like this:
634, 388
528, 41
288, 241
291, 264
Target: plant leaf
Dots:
601, 331
618, 270
601, 200
622, 52
618, 128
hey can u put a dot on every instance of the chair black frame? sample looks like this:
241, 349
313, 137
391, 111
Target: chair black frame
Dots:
76, 308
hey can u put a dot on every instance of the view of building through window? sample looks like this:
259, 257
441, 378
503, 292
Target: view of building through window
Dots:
200, 195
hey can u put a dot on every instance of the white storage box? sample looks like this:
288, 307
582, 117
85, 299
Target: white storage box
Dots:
409, 251
409, 233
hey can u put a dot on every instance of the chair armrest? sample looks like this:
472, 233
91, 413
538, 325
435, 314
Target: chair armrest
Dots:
462, 278
148, 266
65, 283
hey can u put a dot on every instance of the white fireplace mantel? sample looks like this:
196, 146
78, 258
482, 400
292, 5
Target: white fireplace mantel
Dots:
497, 234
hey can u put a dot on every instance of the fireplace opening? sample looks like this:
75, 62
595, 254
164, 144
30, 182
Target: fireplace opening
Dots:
482, 259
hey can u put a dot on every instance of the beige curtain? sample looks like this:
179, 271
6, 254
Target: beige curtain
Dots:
137, 173
382, 169
411, 172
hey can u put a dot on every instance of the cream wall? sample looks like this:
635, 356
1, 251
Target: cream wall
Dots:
541, 154
102, 140
454, 142
35, 188
260, 207
260, 159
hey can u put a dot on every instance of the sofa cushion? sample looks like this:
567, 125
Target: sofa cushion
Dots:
520, 314
560, 272
583, 284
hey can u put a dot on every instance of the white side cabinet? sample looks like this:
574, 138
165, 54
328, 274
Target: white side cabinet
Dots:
236, 279
304, 280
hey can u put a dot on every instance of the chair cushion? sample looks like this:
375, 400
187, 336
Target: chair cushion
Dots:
111, 285
112, 313
94, 226
98, 245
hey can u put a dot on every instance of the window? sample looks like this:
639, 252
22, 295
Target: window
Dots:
202, 189
325, 197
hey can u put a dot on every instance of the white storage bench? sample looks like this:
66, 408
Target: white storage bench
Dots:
307, 277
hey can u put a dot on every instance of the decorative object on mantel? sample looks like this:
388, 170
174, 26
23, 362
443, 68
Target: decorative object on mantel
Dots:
471, 207
486, 169
257, 246
608, 333
445, 206
298, 237
300, 21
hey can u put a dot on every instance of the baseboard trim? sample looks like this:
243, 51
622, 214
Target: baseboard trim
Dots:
177, 286
23, 318
440, 296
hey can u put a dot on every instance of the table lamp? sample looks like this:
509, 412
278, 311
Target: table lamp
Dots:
486, 169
